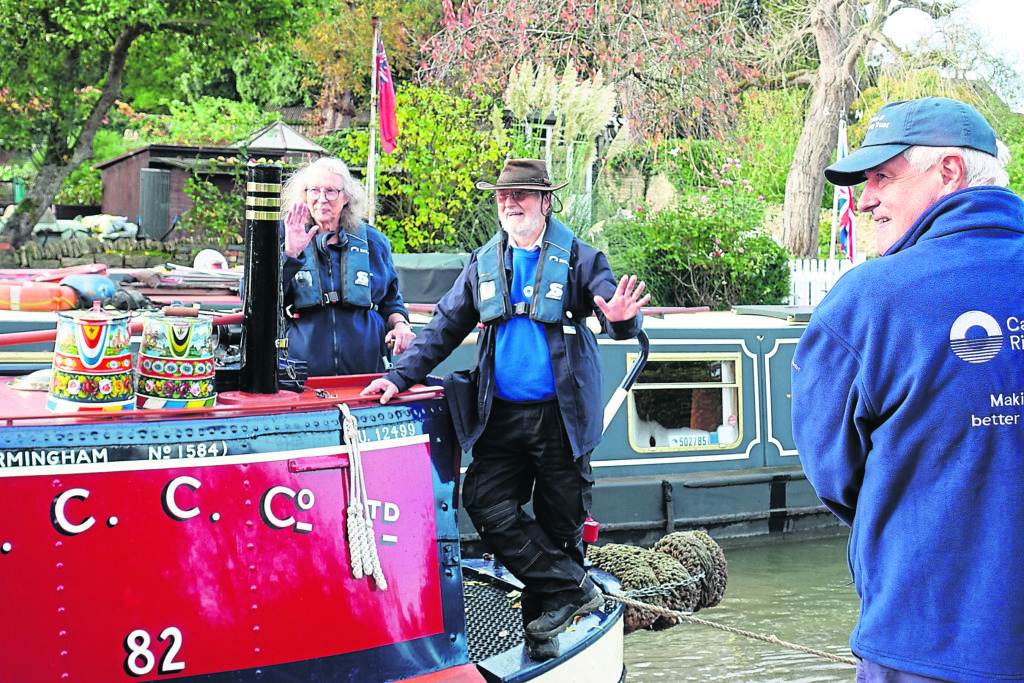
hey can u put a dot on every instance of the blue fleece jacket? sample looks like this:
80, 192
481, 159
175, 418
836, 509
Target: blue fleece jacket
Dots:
908, 413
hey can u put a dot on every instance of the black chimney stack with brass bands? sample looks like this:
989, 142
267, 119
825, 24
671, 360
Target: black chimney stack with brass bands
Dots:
261, 298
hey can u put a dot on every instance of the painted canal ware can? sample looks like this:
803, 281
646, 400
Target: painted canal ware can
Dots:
176, 364
92, 363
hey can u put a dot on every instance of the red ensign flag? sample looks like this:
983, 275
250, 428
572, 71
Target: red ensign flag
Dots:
386, 100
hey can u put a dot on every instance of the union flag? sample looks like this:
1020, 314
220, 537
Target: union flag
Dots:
847, 239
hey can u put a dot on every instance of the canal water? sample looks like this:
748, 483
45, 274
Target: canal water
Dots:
797, 589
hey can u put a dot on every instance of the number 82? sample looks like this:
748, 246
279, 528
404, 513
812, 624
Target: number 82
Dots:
141, 660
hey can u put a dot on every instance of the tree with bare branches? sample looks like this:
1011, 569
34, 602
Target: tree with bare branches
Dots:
669, 61
823, 45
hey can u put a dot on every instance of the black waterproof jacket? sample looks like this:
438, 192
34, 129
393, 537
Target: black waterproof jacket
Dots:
575, 358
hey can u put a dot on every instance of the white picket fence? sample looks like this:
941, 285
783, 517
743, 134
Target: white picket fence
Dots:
810, 279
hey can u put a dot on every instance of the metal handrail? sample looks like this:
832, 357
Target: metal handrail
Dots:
619, 395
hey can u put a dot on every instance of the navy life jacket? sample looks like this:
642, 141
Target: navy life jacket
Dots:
308, 288
493, 300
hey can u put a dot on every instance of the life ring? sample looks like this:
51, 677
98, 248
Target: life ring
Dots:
37, 296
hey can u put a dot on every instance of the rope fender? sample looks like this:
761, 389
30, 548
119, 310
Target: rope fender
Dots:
684, 572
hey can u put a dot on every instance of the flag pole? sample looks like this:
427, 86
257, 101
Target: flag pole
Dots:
835, 197
371, 158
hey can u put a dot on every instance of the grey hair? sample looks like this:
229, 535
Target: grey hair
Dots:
294, 190
981, 168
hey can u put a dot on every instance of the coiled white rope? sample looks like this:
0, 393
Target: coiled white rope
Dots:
362, 542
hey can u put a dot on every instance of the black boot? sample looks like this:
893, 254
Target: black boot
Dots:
554, 621
541, 650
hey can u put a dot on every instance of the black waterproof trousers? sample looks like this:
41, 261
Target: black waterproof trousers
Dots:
524, 450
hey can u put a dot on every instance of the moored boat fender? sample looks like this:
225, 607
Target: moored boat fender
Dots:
36, 296
698, 549
684, 572
90, 287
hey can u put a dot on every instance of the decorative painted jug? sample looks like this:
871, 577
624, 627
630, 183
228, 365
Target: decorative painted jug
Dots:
176, 366
92, 362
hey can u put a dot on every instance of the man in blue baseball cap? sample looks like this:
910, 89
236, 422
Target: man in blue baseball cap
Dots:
903, 145
908, 400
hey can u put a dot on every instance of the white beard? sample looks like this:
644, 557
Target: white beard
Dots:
525, 234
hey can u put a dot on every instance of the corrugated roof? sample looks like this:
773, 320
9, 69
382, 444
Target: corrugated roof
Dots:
280, 136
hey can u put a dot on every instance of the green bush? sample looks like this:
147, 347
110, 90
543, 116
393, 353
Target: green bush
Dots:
1016, 167
85, 184
711, 251
825, 235
764, 138
84, 187
767, 131
218, 217
207, 121
425, 195
685, 163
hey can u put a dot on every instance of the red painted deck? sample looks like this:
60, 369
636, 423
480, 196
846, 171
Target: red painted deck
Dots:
321, 392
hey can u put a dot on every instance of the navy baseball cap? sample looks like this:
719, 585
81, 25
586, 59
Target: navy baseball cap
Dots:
930, 121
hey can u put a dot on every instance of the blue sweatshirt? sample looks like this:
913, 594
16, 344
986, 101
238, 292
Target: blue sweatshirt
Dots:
908, 413
525, 373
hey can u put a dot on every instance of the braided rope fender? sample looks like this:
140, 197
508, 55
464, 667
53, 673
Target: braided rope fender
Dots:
685, 571
362, 542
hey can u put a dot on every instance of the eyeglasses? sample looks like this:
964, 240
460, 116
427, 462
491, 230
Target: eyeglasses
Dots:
514, 195
329, 193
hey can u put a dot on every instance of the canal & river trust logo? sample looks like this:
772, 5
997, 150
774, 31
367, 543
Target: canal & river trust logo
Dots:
976, 348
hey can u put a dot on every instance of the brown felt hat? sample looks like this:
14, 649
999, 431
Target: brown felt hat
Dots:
522, 174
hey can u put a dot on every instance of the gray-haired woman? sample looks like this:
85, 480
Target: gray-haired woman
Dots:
340, 284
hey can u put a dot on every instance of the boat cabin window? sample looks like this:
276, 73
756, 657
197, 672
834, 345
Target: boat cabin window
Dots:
685, 401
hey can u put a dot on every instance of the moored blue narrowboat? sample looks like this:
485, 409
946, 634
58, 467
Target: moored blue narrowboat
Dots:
703, 440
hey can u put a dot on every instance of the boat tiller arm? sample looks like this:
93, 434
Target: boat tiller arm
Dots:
620, 391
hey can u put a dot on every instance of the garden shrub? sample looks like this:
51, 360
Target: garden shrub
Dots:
767, 131
218, 217
84, 187
208, 121
85, 184
709, 251
425, 193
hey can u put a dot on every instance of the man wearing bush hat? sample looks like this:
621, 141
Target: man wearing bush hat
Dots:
531, 409
908, 400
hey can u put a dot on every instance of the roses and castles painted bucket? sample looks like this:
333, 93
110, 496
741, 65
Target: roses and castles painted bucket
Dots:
176, 366
92, 363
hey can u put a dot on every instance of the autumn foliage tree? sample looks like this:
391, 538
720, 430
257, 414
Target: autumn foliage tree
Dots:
669, 61
339, 41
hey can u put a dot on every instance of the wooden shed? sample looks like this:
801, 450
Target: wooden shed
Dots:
146, 185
